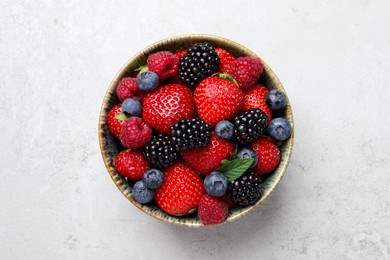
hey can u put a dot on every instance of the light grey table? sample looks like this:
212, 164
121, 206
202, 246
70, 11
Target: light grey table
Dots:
57, 59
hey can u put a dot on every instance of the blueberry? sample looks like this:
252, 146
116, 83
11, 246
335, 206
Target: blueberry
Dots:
141, 193
279, 128
276, 99
147, 81
216, 184
132, 107
224, 129
247, 152
153, 178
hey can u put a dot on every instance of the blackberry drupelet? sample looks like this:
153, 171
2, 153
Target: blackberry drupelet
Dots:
188, 133
159, 152
246, 190
249, 125
199, 62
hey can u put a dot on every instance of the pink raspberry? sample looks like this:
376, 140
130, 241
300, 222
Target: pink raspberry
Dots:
212, 210
164, 63
127, 88
135, 133
247, 70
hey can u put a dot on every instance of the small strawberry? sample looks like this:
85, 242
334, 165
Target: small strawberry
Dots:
115, 119
135, 133
181, 190
268, 154
131, 164
164, 63
181, 53
207, 158
247, 70
128, 88
226, 59
217, 99
212, 210
167, 105
254, 97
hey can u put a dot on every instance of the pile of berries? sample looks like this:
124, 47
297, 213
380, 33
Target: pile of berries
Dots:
198, 131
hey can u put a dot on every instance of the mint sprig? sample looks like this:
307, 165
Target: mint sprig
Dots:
234, 169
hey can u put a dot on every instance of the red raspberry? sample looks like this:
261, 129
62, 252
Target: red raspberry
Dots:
164, 63
131, 164
127, 88
226, 60
135, 133
254, 97
268, 155
212, 210
181, 53
228, 201
247, 70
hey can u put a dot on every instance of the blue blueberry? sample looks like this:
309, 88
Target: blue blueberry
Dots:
216, 184
279, 128
224, 129
132, 107
147, 81
141, 193
153, 178
276, 99
247, 152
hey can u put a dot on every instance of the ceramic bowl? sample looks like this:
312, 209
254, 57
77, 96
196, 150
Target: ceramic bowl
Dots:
110, 147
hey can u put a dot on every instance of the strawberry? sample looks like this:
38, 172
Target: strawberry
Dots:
226, 60
181, 190
212, 210
217, 99
131, 164
255, 98
246, 70
207, 158
268, 155
165, 106
181, 53
128, 88
164, 63
115, 119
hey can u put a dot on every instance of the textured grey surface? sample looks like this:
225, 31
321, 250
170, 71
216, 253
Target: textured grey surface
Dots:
58, 58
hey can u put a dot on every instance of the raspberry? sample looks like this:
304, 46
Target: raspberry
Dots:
212, 210
247, 71
135, 133
128, 88
164, 63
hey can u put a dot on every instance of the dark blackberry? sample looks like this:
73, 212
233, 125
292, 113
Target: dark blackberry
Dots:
159, 152
198, 63
246, 190
188, 133
249, 125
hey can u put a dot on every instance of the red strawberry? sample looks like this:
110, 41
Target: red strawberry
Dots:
165, 106
247, 70
115, 120
212, 210
268, 154
131, 164
164, 63
135, 133
128, 88
217, 99
255, 98
226, 60
181, 53
181, 190
207, 158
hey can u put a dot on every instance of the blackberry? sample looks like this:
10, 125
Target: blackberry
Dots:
198, 63
249, 125
246, 190
188, 133
159, 152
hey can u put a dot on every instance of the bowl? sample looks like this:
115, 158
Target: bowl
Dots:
109, 145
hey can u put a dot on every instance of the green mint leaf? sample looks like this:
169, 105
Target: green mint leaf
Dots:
234, 169
226, 76
121, 116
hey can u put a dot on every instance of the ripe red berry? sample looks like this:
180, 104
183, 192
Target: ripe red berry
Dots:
127, 88
164, 63
115, 119
226, 59
268, 155
131, 164
135, 133
254, 97
247, 70
212, 210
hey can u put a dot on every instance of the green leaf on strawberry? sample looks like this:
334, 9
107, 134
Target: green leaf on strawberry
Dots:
234, 169
121, 116
226, 76
142, 68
